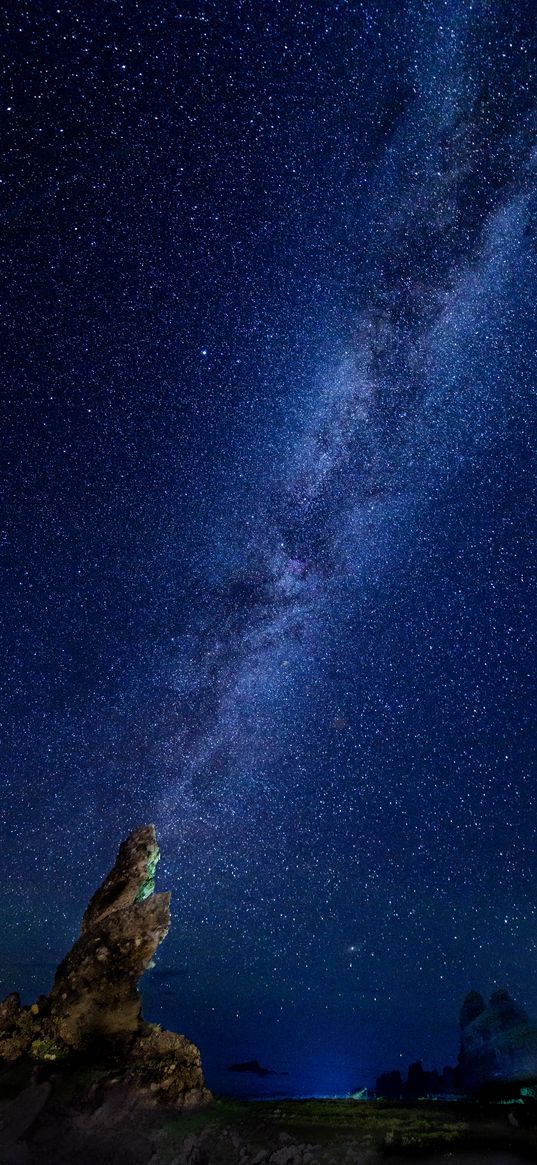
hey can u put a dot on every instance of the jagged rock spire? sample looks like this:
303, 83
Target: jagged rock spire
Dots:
95, 994
131, 879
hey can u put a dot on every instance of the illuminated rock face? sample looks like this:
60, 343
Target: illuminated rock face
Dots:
95, 1007
498, 1042
95, 993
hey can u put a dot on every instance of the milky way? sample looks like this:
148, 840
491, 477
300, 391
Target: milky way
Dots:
270, 508
399, 412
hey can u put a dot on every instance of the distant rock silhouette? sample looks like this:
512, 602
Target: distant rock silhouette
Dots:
498, 1041
498, 1045
390, 1084
473, 1005
419, 1083
94, 1009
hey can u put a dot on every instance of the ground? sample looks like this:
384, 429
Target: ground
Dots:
334, 1131
93, 1118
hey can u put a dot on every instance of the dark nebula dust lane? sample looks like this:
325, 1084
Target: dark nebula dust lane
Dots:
270, 503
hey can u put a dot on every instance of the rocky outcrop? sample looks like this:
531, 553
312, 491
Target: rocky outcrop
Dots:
419, 1083
498, 1042
168, 1066
95, 994
94, 1009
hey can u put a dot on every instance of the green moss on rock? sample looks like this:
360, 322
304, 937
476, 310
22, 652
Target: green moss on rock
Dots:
148, 885
45, 1048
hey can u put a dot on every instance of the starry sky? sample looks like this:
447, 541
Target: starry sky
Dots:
269, 339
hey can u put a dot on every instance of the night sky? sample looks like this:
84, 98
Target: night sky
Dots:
269, 484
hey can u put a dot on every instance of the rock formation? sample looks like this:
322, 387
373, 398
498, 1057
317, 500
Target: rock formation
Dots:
94, 1008
95, 991
498, 1046
498, 1042
418, 1084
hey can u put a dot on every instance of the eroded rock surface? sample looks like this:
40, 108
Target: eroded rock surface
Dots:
169, 1065
131, 879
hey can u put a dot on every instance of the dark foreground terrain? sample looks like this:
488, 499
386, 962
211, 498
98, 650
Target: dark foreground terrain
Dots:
90, 1118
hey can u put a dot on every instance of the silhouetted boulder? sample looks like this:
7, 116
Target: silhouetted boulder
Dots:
419, 1083
450, 1080
390, 1084
416, 1084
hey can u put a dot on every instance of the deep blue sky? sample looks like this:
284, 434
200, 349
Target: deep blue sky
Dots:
269, 331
